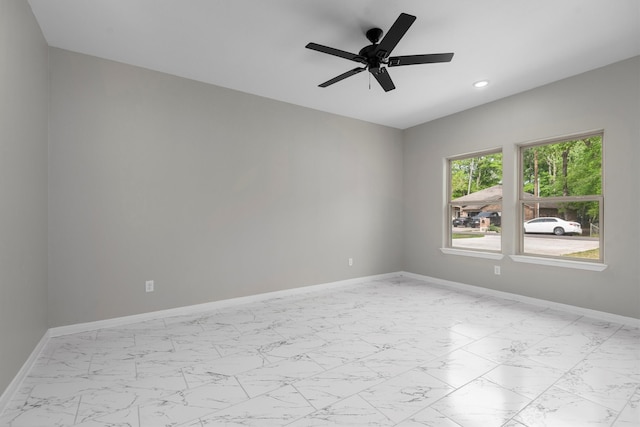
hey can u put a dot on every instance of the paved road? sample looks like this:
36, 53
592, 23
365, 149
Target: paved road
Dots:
534, 244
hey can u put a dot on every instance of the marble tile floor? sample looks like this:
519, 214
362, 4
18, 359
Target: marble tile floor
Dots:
395, 352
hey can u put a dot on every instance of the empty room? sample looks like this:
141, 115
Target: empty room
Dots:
317, 213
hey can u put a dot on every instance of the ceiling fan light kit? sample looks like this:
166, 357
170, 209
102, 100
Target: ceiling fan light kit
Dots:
376, 57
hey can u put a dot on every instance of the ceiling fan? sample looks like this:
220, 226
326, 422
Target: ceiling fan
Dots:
376, 56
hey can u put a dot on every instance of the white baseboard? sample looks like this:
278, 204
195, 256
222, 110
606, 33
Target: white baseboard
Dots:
16, 383
601, 315
199, 308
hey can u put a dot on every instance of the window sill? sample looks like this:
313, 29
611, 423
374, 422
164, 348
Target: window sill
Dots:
475, 254
579, 265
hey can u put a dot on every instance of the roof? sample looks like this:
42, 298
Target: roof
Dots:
486, 197
491, 194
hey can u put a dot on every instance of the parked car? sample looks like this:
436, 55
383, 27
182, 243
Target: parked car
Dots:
463, 221
553, 225
494, 219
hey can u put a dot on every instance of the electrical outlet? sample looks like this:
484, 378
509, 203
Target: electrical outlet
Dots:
350, 262
496, 270
149, 286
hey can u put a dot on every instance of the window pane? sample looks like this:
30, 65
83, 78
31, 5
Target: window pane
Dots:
476, 202
473, 174
479, 232
568, 168
564, 229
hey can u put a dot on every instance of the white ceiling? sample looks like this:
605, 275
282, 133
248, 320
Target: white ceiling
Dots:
258, 46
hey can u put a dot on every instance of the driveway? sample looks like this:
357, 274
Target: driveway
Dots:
533, 244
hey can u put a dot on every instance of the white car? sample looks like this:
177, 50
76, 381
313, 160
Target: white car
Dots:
553, 225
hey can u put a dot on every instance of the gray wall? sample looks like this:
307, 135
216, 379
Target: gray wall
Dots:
210, 192
606, 98
23, 186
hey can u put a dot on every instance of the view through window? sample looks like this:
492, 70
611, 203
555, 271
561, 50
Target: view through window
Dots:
475, 202
561, 199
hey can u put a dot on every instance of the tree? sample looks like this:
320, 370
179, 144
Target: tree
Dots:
568, 168
475, 173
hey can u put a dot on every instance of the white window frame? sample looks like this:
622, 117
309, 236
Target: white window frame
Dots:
536, 258
448, 240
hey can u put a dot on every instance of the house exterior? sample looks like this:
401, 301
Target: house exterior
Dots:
487, 200
490, 200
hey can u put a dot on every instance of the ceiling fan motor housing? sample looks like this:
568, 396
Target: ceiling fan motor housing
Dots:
374, 59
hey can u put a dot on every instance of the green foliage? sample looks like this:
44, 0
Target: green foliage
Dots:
466, 236
590, 254
475, 173
569, 168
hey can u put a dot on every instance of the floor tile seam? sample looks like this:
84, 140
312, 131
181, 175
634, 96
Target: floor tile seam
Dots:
482, 357
9, 414
513, 418
435, 409
295, 420
75, 419
533, 318
474, 338
584, 357
373, 406
310, 413
408, 418
535, 344
482, 376
420, 367
249, 397
506, 388
599, 403
613, 371
565, 372
502, 362
621, 325
184, 378
546, 390
315, 409
453, 390
191, 420
475, 341
287, 381
359, 359
578, 396
587, 354
338, 401
612, 337
628, 404
381, 381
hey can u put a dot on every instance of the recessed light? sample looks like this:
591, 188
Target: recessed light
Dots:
481, 83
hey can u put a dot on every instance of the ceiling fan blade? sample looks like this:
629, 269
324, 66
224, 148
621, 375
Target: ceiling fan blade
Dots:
393, 36
396, 61
383, 77
342, 76
336, 52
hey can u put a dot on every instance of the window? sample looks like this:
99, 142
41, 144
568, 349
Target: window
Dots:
475, 202
561, 199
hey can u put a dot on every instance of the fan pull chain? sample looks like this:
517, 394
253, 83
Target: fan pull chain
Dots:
369, 81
